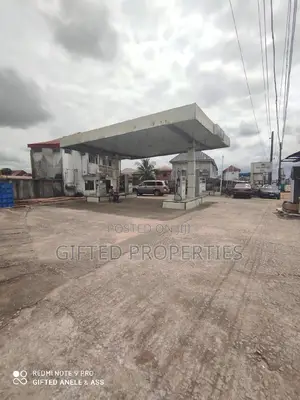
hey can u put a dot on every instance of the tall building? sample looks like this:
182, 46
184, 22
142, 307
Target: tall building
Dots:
80, 172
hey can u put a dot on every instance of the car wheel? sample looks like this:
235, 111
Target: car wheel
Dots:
156, 192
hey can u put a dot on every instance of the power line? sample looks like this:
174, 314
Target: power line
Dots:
285, 57
246, 78
267, 66
274, 67
290, 66
263, 66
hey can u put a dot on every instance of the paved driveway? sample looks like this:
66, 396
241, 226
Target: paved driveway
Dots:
208, 311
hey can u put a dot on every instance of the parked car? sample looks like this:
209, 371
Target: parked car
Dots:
242, 190
256, 190
269, 192
158, 188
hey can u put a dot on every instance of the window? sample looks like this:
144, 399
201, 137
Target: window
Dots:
68, 151
159, 183
89, 185
92, 159
150, 183
55, 150
109, 162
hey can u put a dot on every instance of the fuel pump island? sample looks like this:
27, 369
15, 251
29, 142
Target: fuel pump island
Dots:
179, 130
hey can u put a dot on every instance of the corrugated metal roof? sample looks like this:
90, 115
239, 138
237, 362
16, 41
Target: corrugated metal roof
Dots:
199, 156
18, 172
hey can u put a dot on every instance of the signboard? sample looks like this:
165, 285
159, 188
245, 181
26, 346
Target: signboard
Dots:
261, 167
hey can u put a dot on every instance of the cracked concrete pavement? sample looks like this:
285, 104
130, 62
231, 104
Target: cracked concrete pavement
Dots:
213, 326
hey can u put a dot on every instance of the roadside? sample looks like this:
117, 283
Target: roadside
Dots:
211, 327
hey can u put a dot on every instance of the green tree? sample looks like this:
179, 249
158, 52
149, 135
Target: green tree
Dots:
6, 171
146, 169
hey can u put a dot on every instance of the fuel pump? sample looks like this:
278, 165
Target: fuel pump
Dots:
129, 185
180, 189
202, 185
126, 184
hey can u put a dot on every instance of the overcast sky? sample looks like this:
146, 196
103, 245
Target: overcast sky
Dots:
74, 65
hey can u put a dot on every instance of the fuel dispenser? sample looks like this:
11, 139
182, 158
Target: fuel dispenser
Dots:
200, 183
126, 184
180, 190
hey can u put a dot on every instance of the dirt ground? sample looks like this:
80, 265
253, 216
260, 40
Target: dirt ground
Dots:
169, 323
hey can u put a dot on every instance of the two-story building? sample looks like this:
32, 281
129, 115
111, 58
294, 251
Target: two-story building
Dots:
231, 173
206, 166
84, 173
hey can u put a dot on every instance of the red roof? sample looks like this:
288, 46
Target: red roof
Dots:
50, 144
232, 168
18, 172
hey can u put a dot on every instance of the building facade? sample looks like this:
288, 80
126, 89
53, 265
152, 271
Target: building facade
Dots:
259, 172
205, 165
231, 174
84, 173
164, 173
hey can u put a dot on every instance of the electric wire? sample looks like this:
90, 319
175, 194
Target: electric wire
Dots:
295, 10
274, 68
263, 67
284, 67
246, 77
267, 64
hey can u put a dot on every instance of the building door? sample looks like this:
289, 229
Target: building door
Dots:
108, 185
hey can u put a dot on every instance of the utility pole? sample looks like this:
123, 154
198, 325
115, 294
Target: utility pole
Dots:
279, 165
271, 158
221, 182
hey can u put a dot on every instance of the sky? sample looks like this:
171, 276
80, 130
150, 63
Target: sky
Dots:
71, 65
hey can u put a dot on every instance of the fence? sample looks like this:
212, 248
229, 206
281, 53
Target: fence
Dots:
35, 188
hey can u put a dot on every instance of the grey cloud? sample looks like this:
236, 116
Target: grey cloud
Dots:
14, 159
144, 20
234, 144
84, 30
228, 52
246, 15
206, 7
8, 157
158, 89
216, 86
20, 101
247, 129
